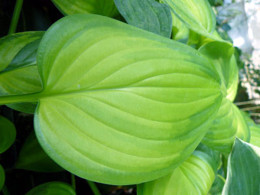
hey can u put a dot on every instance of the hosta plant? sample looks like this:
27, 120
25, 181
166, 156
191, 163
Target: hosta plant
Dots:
148, 103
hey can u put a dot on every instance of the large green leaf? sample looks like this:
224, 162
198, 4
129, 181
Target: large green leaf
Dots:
197, 15
7, 134
2, 177
32, 157
228, 124
243, 170
101, 7
193, 176
19, 73
147, 14
225, 62
52, 188
120, 105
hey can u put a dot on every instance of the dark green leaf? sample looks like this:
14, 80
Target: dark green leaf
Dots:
52, 188
7, 134
217, 186
2, 177
243, 170
101, 7
147, 14
32, 157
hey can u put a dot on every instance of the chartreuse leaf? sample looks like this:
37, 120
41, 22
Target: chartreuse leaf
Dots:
254, 130
193, 176
32, 157
243, 174
120, 105
7, 134
149, 15
101, 7
228, 124
52, 188
2, 177
19, 74
225, 62
197, 15
255, 135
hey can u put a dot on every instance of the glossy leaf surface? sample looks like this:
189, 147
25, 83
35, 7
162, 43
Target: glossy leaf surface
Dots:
147, 14
101, 7
2, 177
193, 176
32, 157
116, 104
225, 62
52, 188
254, 130
20, 40
197, 15
20, 75
243, 170
7, 134
228, 124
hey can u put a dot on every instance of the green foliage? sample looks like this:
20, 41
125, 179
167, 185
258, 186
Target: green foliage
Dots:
111, 78
18, 65
2, 177
33, 158
52, 188
7, 134
101, 7
193, 176
243, 170
147, 14
124, 104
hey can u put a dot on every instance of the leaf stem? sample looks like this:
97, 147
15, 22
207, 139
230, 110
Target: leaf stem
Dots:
16, 15
93, 187
34, 97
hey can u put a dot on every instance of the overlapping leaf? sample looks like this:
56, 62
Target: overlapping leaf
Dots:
2, 177
7, 134
19, 74
217, 186
228, 124
254, 130
52, 188
147, 14
193, 176
116, 105
101, 7
33, 158
197, 15
243, 170
225, 63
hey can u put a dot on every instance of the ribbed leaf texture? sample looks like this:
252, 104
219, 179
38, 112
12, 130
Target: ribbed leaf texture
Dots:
121, 105
193, 176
